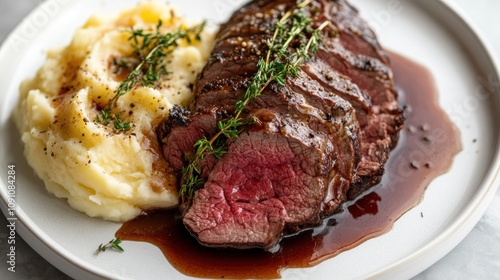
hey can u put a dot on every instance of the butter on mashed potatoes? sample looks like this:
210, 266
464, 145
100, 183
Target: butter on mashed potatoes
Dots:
99, 171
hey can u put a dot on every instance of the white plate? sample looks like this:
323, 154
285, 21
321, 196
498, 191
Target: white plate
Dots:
428, 31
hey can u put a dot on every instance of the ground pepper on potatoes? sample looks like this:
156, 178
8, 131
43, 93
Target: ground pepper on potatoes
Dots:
100, 172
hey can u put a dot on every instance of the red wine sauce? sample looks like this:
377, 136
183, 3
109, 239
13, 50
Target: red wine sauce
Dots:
425, 150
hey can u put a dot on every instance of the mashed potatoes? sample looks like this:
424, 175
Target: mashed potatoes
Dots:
100, 171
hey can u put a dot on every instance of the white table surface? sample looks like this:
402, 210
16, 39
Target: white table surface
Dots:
477, 257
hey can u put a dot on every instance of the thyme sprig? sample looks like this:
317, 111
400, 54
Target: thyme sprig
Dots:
279, 63
150, 48
113, 244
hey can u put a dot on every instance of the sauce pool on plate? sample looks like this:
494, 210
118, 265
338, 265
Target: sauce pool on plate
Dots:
426, 149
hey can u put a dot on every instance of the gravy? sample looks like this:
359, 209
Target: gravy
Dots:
425, 150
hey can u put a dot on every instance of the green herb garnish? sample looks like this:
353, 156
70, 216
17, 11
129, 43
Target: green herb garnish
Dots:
150, 48
278, 64
113, 244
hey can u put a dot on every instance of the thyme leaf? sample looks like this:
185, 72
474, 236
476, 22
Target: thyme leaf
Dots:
278, 64
114, 244
150, 48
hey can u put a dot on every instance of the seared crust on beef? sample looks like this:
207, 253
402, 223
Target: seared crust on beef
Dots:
318, 141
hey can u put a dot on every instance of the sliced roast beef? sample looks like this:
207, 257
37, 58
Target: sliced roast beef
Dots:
319, 140
274, 179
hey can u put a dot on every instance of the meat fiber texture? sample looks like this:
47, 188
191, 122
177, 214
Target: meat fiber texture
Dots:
318, 141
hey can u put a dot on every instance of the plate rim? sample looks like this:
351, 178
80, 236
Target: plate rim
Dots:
474, 210
490, 184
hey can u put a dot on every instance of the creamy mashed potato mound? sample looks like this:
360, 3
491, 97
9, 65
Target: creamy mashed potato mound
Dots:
104, 173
